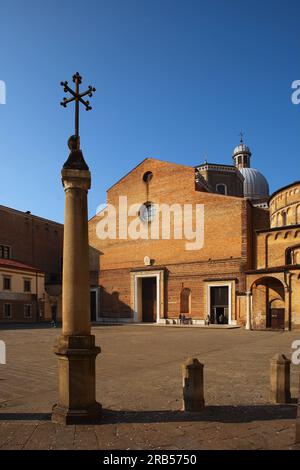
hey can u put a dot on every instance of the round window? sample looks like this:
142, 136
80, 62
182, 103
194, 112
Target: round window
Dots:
147, 212
147, 177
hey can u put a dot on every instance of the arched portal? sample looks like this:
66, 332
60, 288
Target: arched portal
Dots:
268, 304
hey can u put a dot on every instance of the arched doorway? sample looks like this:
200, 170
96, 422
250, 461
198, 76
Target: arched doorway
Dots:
268, 304
275, 319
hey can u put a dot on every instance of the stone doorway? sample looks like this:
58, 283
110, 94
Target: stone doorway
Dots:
149, 300
147, 294
219, 305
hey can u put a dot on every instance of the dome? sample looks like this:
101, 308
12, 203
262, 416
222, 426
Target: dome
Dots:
255, 184
241, 148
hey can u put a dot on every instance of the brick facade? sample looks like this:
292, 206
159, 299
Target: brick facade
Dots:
33, 240
229, 224
36, 242
22, 293
274, 282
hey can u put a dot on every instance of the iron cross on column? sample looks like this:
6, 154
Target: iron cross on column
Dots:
77, 97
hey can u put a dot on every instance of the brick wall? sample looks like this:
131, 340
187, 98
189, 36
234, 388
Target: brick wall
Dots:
33, 240
272, 246
116, 300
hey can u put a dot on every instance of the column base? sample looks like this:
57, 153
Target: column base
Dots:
77, 381
64, 415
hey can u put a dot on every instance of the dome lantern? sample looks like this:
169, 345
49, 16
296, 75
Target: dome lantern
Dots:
241, 155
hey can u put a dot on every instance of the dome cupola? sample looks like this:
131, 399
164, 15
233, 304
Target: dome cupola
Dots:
255, 184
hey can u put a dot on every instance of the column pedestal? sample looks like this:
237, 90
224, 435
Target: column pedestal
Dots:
76, 368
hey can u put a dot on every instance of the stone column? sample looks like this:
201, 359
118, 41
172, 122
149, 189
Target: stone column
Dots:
76, 348
287, 308
193, 385
280, 379
248, 321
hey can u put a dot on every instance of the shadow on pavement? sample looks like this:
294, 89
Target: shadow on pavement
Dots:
47, 325
28, 326
25, 416
220, 414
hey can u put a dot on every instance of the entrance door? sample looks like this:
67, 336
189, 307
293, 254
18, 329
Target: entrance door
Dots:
149, 299
277, 318
93, 305
219, 305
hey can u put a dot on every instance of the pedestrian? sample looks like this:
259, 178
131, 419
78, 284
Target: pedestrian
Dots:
53, 316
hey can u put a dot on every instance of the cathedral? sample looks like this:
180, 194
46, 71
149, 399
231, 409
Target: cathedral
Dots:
229, 254
245, 272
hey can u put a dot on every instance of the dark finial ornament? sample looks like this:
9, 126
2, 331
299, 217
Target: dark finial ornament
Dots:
76, 160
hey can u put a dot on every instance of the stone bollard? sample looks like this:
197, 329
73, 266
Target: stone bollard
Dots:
193, 385
280, 379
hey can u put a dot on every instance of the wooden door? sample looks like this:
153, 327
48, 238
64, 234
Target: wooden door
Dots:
149, 299
277, 318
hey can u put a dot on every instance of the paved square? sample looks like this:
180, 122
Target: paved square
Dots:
139, 386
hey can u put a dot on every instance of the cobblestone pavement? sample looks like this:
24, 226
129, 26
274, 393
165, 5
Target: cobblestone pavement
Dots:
139, 386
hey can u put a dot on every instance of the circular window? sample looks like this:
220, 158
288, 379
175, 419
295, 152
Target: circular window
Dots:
147, 212
147, 177
221, 188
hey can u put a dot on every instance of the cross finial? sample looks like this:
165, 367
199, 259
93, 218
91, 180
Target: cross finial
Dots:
77, 97
241, 137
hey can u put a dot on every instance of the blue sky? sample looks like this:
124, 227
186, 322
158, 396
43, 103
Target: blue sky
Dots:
176, 80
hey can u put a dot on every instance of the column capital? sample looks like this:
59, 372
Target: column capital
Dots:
72, 179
